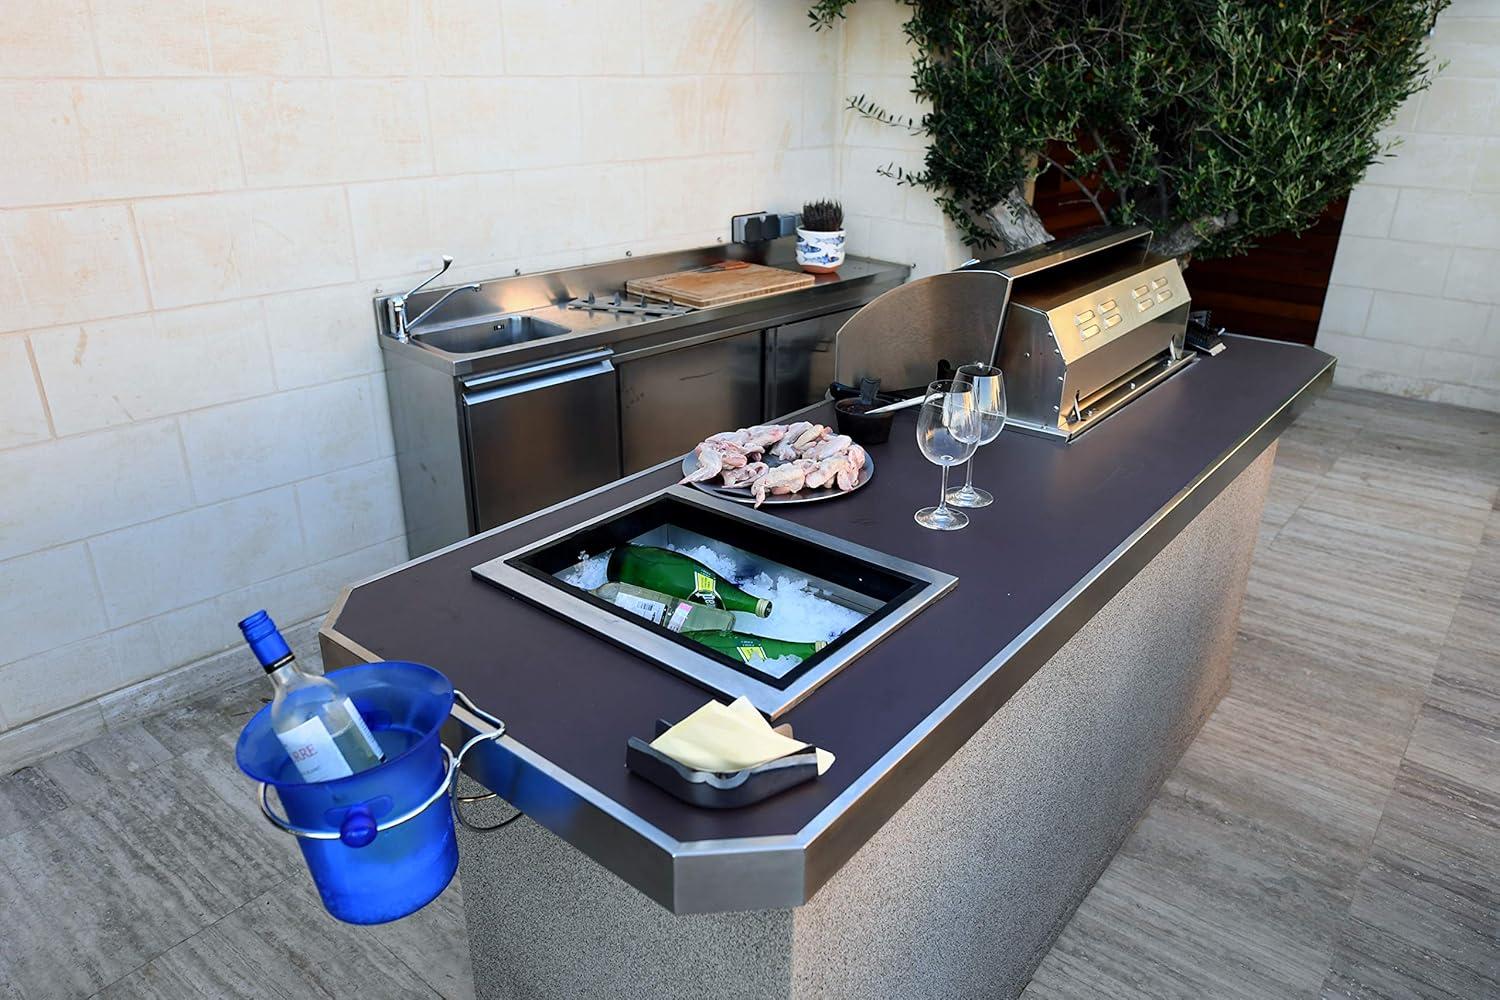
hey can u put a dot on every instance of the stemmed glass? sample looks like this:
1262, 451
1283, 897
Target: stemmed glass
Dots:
989, 396
948, 429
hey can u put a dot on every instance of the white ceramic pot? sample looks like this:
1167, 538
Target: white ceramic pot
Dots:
819, 253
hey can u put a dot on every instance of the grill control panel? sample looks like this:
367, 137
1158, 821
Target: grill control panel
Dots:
1114, 309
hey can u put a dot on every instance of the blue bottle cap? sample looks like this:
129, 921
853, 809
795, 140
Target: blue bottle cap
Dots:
265, 641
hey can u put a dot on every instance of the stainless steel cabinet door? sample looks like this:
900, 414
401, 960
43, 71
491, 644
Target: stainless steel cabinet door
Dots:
541, 434
671, 401
800, 362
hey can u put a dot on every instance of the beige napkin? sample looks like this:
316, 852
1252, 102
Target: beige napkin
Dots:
731, 737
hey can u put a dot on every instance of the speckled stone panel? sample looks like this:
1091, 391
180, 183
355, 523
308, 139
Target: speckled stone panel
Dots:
962, 892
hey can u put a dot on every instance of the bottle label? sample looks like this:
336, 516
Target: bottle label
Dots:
706, 590
312, 750
679, 616
749, 653
364, 730
645, 607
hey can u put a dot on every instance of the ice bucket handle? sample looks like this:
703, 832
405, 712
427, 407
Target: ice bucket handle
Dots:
358, 834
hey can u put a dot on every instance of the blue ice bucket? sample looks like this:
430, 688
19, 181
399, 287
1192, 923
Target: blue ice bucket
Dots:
380, 843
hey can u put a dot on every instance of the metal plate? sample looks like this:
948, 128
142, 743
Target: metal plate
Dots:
742, 494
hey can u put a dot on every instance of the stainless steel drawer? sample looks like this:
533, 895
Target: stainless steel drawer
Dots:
540, 434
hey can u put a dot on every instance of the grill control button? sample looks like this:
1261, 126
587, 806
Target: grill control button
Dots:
1138, 292
1089, 331
1158, 282
1164, 295
1084, 316
1107, 305
1111, 320
1144, 304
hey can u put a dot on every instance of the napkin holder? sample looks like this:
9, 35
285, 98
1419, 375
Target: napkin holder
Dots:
719, 790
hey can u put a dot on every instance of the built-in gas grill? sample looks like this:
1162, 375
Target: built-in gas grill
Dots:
1092, 323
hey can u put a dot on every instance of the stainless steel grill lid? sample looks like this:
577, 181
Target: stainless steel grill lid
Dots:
1093, 321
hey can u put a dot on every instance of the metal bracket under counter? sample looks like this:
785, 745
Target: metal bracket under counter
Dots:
731, 872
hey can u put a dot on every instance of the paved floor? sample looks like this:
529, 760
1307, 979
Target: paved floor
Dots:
1334, 830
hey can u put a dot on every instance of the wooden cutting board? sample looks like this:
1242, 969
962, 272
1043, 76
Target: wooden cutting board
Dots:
716, 284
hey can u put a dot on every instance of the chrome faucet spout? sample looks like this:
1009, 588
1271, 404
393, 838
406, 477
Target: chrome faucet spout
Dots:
446, 295
395, 306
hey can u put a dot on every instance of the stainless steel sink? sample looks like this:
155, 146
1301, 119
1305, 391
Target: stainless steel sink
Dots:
477, 338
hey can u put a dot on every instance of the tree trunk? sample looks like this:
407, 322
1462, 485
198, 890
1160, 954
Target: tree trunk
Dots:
1181, 241
1015, 223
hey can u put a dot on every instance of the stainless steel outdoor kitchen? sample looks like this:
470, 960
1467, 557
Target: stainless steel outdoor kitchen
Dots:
998, 704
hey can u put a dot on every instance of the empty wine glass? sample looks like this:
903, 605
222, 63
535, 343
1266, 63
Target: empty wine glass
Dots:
948, 429
989, 396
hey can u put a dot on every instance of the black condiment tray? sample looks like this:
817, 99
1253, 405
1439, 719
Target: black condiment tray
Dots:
718, 790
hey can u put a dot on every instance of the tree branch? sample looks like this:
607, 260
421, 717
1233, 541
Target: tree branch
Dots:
1015, 222
1103, 215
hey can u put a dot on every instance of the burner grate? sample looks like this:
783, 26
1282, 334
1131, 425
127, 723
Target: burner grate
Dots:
618, 303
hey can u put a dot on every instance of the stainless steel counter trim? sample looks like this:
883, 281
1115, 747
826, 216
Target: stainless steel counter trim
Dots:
772, 866
831, 840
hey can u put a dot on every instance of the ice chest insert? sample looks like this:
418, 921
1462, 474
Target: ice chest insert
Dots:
380, 843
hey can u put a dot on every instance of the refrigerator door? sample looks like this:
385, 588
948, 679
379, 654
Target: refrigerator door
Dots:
540, 434
670, 401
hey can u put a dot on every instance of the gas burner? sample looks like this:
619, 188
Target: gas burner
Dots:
619, 304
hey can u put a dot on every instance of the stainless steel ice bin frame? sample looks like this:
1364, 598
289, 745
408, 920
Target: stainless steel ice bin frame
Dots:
679, 656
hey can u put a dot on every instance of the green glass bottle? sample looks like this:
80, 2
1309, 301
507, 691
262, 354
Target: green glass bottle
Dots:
752, 648
669, 612
675, 574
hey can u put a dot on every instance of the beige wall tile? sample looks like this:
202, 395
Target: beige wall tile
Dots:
117, 371
251, 445
159, 38
463, 37
1474, 275
576, 207
873, 39
222, 246
372, 37
286, 126
1345, 310
751, 114
62, 676
47, 599
1454, 104
1422, 160
157, 137
672, 106
572, 37
1370, 210
404, 227
1448, 218
785, 180
46, 39
1365, 262
505, 123
41, 147
892, 93
321, 335
1427, 321
686, 196
154, 567
70, 488
709, 36
1365, 352
352, 509
70, 264
786, 43
23, 419
266, 37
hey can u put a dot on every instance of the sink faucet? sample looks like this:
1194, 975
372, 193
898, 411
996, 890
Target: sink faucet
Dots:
395, 306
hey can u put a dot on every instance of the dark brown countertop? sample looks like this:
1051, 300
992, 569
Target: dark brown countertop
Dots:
1061, 511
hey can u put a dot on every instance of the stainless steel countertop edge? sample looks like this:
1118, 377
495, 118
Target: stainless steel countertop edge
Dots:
786, 871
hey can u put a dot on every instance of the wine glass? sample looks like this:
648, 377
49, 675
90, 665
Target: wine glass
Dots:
989, 389
948, 429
